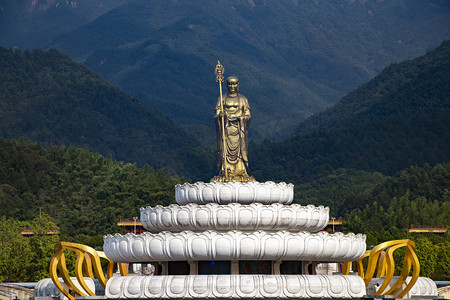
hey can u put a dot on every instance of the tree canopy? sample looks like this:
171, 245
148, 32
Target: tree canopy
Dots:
85, 193
46, 97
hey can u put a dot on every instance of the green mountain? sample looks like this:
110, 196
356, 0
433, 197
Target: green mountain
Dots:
47, 97
293, 58
28, 24
426, 183
85, 193
398, 119
416, 87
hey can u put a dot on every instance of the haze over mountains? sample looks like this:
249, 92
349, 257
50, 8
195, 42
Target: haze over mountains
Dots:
293, 58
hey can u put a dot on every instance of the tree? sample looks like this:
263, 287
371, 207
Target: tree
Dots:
427, 253
42, 245
442, 271
15, 251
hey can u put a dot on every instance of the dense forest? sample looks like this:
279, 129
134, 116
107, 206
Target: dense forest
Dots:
415, 196
398, 119
47, 97
26, 259
411, 88
85, 193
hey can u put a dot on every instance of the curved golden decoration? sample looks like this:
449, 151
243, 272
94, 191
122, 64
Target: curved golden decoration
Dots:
346, 268
359, 264
381, 259
87, 264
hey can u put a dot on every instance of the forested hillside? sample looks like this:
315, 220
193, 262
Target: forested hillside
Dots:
293, 58
47, 97
416, 196
85, 193
415, 87
398, 119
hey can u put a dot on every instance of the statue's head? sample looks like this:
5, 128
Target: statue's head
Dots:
232, 84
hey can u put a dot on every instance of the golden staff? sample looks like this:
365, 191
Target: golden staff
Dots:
219, 70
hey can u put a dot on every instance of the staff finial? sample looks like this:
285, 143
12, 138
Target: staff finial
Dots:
219, 70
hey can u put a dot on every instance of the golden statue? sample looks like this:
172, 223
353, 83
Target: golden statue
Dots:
232, 118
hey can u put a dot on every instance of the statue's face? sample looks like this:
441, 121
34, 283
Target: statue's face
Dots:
233, 85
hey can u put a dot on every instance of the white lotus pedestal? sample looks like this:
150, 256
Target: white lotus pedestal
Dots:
235, 240
237, 287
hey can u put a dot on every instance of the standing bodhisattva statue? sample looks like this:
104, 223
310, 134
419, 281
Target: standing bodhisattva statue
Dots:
232, 118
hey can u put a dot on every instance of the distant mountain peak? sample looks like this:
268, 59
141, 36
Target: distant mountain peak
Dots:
34, 6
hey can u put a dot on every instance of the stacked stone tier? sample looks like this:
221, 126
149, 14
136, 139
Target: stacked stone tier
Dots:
235, 216
236, 287
234, 245
234, 192
235, 240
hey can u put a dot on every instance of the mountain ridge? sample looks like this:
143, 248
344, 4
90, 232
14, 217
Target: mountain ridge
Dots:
47, 97
376, 96
303, 56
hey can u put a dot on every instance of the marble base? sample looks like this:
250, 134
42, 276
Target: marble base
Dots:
236, 287
234, 192
424, 287
234, 245
255, 216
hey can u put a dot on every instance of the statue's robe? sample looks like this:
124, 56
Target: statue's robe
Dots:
233, 138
